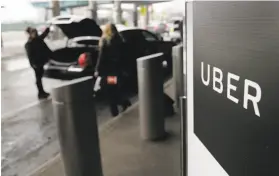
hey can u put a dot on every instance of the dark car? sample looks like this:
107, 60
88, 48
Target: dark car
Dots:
141, 42
79, 57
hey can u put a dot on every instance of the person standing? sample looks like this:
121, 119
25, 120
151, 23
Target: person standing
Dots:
109, 64
38, 54
181, 29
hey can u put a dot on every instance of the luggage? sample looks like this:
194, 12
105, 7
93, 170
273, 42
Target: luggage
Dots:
168, 104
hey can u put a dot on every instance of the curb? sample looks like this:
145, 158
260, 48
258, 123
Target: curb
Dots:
102, 128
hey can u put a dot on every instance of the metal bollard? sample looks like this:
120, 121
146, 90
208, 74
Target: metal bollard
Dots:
184, 137
77, 128
151, 94
177, 59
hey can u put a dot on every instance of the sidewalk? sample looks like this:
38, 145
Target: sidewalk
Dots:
15, 49
125, 154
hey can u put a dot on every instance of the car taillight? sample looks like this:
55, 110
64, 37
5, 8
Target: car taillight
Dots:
82, 60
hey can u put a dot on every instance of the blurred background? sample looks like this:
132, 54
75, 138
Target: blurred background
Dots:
17, 16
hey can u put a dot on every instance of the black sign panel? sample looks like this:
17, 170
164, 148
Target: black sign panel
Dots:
236, 84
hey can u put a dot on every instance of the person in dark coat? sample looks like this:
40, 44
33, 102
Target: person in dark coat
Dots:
110, 63
181, 29
38, 54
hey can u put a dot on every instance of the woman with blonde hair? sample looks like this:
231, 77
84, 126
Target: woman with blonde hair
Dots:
109, 64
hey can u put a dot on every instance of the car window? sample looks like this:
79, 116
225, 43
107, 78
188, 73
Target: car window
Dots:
149, 36
131, 35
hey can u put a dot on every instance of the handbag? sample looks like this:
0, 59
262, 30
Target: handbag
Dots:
101, 82
112, 80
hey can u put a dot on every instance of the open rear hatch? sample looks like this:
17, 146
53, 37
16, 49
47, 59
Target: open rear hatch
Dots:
75, 27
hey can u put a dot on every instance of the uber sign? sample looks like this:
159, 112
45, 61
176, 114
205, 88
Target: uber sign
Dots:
247, 83
236, 84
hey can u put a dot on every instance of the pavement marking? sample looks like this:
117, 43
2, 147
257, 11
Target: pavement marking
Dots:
9, 115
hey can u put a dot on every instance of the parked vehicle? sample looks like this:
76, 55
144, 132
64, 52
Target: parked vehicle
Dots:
83, 35
140, 42
79, 57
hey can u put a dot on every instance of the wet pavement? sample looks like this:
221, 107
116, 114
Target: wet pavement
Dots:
18, 85
29, 138
24, 135
29, 135
28, 127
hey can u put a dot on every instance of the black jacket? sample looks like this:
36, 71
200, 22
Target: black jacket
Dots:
110, 60
37, 50
181, 29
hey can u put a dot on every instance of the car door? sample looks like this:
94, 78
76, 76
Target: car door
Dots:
133, 49
156, 45
135, 42
151, 42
